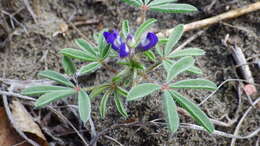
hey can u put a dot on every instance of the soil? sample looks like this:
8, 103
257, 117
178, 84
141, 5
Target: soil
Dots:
32, 47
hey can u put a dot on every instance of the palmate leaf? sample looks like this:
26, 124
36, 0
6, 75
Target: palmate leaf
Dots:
174, 8
85, 46
52, 75
142, 90
180, 66
39, 90
174, 38
160, 2
170, 110
78, 54
194, 84
53, 96
194, 110
143, 28
187, 52
103, 104
91, 67
68, 65
84, 106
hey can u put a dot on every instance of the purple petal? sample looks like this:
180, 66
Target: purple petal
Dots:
149, 42
113, 39
124, 51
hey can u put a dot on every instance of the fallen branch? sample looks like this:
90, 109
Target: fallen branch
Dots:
233, 142
215, 19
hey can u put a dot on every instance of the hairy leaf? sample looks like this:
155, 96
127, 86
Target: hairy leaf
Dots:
84, 106
68, 65
194, 110
91, 67
142, 90
143, 28
171, 113
187, 52
52, 75
103, 104
78, 54
180, 66
174, 8
194, 84
174, 38
125, 28
53, 96
39, 90
85, 46
150, 55
160, 2
120, 106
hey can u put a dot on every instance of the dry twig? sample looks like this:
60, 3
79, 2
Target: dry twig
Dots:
241, 121
215, 19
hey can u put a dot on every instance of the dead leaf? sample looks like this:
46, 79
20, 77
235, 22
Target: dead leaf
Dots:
8, 136
24, 122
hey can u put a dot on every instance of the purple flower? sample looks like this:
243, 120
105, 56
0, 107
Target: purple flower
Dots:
117, 43
148, 42
113, 38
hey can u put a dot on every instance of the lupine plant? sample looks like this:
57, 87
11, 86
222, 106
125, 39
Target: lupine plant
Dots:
138, 53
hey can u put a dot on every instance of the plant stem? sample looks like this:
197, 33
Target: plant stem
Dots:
106, 66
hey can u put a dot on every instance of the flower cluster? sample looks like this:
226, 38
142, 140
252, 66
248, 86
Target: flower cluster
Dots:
118, 44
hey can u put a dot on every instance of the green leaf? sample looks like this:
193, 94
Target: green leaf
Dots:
195, 70
102, 45
98, 90
174, 38
68, 65
168, 63
78, 54
105, 51
146, 2
52, 75
174, 8
194, 110
142, 90
194, 84
180, 66
84, 106
143, 28
53, 96
120, 106
103, 104
39, 90
91, 67
150, 55
137, 3
160, 2
125, 28
171, 113
121, 91
84, 45
187, 52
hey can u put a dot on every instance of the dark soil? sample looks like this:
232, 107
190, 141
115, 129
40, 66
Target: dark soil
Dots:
32, 47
